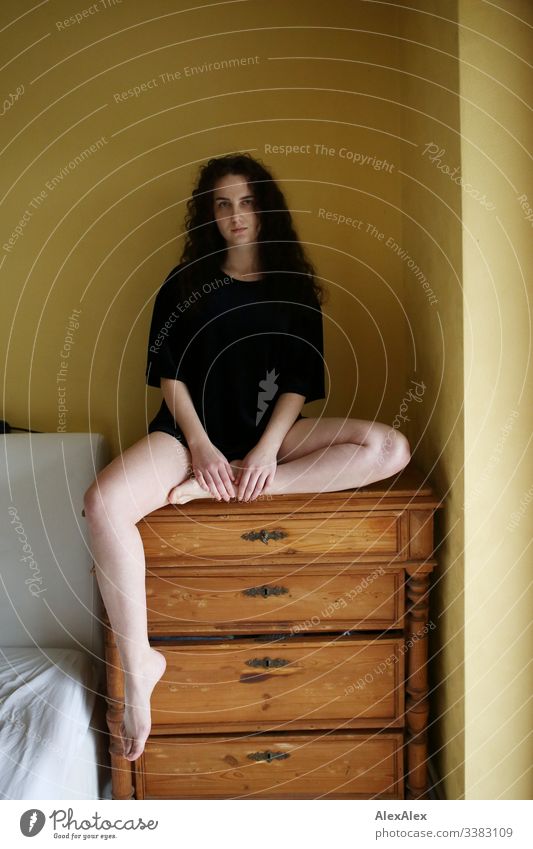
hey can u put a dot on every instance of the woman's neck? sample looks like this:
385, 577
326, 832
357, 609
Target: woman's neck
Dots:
242, 263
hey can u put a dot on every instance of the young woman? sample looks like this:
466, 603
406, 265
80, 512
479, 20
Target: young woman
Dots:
235, 345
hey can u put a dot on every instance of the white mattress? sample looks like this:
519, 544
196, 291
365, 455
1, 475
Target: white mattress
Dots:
47, 748
43, 536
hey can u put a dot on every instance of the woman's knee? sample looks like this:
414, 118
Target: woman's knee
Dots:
115, 493
394, 451
137, 482
101, 501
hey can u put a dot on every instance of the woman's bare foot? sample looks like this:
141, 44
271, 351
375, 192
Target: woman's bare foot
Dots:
186, 491
138, 688
190, 489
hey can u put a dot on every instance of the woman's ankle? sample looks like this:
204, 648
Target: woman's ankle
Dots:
133, 661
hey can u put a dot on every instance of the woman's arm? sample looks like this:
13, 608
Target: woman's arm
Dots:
211, 469
259, 465
179, 402
284, 414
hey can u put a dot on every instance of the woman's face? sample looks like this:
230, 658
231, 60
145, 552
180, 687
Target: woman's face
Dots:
235, 210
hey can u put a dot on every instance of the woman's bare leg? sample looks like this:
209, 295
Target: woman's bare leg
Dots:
331, 454
326, 455
134, 484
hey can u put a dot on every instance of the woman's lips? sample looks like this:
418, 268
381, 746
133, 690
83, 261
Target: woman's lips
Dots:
239, 230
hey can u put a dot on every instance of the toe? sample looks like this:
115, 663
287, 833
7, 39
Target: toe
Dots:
136, 750
124, 740
130, 750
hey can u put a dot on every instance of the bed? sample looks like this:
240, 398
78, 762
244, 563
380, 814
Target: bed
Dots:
53, 740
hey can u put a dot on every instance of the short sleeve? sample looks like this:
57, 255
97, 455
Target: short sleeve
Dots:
168, 337
302, 369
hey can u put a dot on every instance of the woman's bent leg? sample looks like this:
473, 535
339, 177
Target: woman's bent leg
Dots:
330, 454
134, 484
325, 455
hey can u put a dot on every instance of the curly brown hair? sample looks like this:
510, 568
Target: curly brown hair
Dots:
278, 245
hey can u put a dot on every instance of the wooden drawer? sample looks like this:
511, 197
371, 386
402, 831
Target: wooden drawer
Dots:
299, 683
342, 599
270, 766
266, 538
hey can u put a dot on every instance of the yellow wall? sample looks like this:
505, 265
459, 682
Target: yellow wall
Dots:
103, 240
431, 236
498, 291
472, 349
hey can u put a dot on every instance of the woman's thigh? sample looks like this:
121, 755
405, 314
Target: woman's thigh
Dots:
139, 480
310, 434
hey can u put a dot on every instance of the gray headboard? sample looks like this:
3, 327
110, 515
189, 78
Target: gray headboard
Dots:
48, 596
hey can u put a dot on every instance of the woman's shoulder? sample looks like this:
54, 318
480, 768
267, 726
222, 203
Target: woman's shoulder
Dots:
170, 294
174, 275
177, 283
187, 276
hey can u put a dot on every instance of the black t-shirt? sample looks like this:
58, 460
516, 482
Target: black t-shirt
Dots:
237, 345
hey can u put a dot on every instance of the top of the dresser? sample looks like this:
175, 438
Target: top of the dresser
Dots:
409, 489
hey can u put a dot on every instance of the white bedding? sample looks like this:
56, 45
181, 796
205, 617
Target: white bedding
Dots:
47, 748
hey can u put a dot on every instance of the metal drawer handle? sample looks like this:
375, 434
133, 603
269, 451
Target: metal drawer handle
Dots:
268, 756
263, 535
267, 662
265, 591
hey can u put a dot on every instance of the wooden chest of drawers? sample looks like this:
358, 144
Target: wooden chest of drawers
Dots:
295, 632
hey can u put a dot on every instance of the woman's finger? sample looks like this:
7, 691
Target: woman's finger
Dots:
250, 487
219, 483
223, 483
213, 489
226, 481
245, 476
260, 485
201, 480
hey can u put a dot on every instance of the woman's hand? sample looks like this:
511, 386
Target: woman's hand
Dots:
212, 470
257, 471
